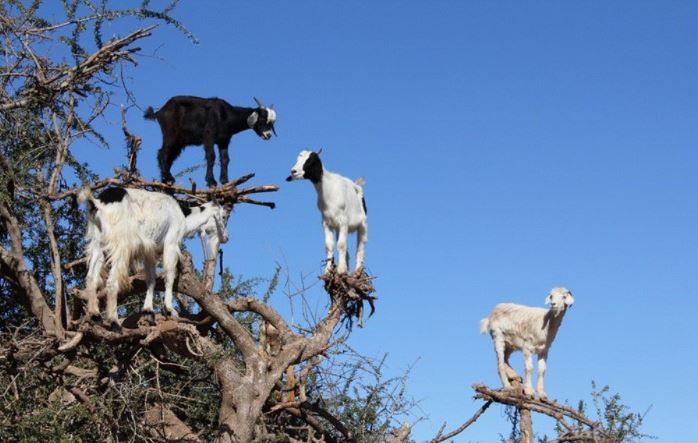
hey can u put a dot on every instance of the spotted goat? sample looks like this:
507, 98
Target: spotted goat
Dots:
342, 205
128, 226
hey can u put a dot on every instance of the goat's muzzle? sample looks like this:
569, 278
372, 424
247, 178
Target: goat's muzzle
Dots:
289, 178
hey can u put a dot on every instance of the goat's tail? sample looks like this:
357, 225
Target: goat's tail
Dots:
358, 187
149, 113
485, 325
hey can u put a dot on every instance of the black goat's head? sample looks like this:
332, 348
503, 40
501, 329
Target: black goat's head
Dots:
262, 120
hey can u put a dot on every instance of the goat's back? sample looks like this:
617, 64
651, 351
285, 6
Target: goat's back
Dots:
512, 313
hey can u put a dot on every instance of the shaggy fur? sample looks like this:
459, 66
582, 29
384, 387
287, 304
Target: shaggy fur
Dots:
141, 226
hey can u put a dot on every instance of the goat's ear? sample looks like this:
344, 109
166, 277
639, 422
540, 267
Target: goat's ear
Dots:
252, 119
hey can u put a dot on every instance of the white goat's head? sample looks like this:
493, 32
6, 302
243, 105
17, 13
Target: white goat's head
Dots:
220, 218
559, 299
308, 166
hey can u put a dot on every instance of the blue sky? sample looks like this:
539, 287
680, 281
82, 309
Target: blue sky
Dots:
508, 147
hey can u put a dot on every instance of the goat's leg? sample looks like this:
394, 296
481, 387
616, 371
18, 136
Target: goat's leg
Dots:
210, 160
342, 249
511, 373
149, 268
542, 366
166, 156
329, 246
170, 257
501, 363
94, 278
223, 151
113, 293
528, 369
361, 238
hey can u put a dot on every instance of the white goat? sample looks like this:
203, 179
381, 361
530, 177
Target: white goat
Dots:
342, 205
133, 225
531, 330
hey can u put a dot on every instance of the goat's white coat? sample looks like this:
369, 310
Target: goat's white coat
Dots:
527, 329
340, 201
143, 226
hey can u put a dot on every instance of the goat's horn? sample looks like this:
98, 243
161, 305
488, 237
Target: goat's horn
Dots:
319, 151
258, 102
273, 130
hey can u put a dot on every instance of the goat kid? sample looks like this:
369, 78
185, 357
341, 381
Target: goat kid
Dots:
186, 120
342, 205
133, 225
531, 330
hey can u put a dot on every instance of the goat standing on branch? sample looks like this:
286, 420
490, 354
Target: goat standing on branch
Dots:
342, 205
134, 225
186, 120
530, 330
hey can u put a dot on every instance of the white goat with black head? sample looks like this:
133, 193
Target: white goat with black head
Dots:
128, 226
529, 330
342, 205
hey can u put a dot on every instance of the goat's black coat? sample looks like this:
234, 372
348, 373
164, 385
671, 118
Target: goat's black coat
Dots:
112, 195
187, 120
186, 207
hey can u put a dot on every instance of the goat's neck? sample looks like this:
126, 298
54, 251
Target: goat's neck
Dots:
552, 322
196, 219
238, 123
321, 183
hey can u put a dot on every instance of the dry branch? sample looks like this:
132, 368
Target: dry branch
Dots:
443, 437
353, 290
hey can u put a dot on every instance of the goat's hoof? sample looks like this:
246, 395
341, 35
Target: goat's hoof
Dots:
113, 325
529, 392
172, 314
211, 183
148, 317
94, 317
542, 397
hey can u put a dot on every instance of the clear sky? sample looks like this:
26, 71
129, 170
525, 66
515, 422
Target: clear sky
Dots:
508, 147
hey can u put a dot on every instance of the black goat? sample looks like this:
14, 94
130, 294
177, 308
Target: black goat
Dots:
186, 120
